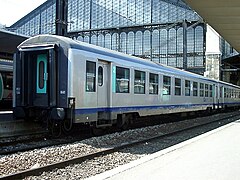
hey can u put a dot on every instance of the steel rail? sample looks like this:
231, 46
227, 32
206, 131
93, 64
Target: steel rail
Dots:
62, 164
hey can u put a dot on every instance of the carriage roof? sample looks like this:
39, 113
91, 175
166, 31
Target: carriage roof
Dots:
67, 43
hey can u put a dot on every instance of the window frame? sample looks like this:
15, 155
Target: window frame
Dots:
220, 91
167, 86
154, 84
210, 90
206, 88
179, 87
140, 82
195, 89
100, 76
201, 87
93, 77
125, 79
187, 88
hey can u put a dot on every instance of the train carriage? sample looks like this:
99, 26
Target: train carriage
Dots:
74, 82
6, 81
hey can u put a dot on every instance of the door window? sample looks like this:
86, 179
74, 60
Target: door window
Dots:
100, 75
42, 73
90, 76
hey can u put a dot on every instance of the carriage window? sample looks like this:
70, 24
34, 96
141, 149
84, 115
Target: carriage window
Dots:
211, 91
153, 84
166, 85
225, 92
206, 90
187, 88
122, 80
100, 76
177, 87
7, 80
195, 89
90, 76
220, 91
139, 82
201, 89
41, 75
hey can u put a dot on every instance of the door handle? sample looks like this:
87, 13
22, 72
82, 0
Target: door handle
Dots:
45, 77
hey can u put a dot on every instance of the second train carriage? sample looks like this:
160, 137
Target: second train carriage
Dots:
6, 81
75, 82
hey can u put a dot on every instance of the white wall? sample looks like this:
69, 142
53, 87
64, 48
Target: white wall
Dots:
212, 41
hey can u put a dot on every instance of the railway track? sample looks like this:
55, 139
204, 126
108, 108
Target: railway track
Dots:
27, 142
22, 138
104, 151
36, 141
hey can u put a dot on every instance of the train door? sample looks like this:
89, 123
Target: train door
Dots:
103, 99
40, 80
36, 87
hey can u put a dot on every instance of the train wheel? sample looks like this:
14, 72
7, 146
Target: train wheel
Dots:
125, 126
67, 125
97, 131
126, 121
56, 129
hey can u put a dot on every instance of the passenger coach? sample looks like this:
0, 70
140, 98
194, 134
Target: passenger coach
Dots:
6, 82
63, 80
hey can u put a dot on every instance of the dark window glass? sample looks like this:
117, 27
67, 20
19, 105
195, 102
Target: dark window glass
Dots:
100, 76
211, 91
225, 92
7, 80
41, 75
206, 90
221, 90
201, 90
195, 89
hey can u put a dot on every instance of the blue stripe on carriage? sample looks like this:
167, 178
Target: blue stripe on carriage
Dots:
133, 108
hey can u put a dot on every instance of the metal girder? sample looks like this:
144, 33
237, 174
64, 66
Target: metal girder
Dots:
61, 17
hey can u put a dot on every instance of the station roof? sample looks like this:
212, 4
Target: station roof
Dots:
223, 16
9, 41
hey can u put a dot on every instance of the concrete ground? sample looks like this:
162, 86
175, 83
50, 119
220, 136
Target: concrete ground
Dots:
212, 156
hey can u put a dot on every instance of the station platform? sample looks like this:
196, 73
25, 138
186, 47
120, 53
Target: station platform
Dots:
6, 116
15, 127
212, 156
